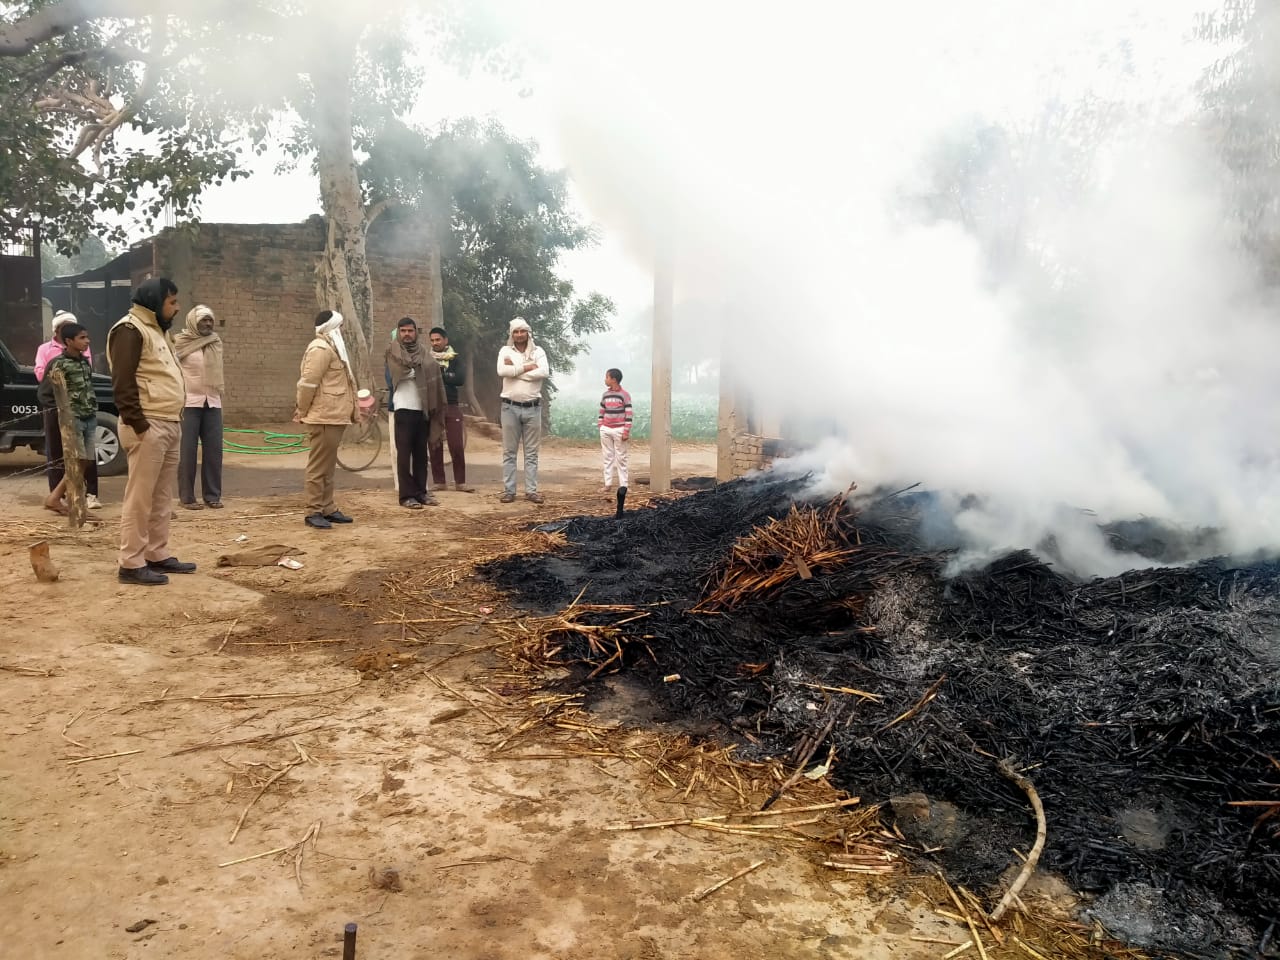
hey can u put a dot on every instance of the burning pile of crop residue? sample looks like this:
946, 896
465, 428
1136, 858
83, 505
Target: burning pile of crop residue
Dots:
1145, 708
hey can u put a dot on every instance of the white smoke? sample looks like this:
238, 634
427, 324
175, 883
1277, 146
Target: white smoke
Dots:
770, 154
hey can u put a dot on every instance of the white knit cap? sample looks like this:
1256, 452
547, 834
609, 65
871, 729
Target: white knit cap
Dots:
519, 323
63, 316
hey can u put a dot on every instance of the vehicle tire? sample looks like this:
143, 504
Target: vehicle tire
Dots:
111, 458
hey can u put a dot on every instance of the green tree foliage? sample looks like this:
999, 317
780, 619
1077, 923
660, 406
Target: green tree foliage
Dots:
131, 105
82, 133
503, 222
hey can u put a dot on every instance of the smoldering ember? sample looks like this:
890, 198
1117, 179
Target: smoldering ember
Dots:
1144, 709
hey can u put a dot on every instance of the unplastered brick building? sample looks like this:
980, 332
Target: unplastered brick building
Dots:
260, 280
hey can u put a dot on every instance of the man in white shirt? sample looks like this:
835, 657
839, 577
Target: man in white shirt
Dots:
522, 365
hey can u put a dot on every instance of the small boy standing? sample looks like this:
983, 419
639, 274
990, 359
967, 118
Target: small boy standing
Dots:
614, 421
78, 375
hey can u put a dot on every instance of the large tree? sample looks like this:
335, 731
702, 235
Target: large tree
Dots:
195, 83
503, 222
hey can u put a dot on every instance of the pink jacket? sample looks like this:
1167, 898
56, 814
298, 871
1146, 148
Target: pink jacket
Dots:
47, 351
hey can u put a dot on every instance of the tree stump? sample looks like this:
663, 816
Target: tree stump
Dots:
77, 510
45, 569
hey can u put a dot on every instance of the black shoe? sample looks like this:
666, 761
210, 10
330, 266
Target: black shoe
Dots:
410, 504
338, 517
171, 565
318, 521
141, 575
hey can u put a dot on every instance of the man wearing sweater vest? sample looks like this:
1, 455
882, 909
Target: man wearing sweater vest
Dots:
150, 395
614, 421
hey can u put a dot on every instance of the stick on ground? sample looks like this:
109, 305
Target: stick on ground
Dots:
1033, 858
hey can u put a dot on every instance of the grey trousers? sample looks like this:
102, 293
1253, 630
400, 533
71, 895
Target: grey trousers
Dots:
520, 425
201, 427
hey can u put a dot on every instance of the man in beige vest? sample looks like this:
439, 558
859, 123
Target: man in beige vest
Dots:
326, 403
149, 393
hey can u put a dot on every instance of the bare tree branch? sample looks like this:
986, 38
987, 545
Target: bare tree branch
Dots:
98, 133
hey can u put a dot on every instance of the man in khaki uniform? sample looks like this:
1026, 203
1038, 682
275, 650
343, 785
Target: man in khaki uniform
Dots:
149, 394
327, 405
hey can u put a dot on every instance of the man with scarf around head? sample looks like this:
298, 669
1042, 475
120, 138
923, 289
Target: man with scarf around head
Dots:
455, 375
199, 352
149, 393
327, 405
522, 365
418, 399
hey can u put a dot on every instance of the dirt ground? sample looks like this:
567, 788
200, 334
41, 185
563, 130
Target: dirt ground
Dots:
274, 697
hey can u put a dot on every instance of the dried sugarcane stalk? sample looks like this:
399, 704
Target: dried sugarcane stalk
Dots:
728, 880
804, 759
1028, 867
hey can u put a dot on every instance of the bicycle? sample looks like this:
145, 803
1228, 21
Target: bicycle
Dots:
361, 442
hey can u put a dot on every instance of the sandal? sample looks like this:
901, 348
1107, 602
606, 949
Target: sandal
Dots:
215, 505
193, 505
410, 504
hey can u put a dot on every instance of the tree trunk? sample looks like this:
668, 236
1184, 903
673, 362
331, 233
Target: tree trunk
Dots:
342, 276
486, 385
77, 509
468, 395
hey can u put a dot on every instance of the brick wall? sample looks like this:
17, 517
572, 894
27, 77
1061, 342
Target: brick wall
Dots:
260, 281
748, 454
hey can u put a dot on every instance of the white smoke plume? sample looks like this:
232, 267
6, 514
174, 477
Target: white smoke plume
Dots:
770, 154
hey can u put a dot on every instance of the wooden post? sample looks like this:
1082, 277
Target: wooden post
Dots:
76, 508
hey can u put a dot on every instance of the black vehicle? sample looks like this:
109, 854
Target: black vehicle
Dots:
21, 424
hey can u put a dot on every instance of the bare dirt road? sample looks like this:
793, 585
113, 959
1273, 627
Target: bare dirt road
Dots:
153, 737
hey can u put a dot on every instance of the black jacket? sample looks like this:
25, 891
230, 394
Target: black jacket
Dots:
455, 375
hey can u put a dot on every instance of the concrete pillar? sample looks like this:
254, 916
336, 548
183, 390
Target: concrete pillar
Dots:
660, 420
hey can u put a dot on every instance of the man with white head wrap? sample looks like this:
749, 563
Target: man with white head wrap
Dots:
199, 352
326, 403
522, 365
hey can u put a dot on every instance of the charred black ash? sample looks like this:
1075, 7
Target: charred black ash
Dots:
1141, 706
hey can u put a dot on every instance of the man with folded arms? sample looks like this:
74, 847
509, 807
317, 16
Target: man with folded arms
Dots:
522, 365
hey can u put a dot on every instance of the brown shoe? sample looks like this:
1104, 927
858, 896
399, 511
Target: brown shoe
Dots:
193, 505
533, 497
507, 498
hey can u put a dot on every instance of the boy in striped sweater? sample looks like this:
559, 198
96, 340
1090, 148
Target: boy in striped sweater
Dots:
614, 421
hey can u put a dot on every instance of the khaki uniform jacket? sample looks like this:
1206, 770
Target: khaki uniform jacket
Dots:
326, 393
161, 389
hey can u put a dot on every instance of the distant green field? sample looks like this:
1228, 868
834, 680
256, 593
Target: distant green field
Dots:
693, 417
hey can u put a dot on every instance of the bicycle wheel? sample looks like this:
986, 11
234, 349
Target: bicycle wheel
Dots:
360, 446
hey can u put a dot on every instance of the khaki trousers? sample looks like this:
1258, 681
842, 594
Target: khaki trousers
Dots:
149, 492
322, 460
